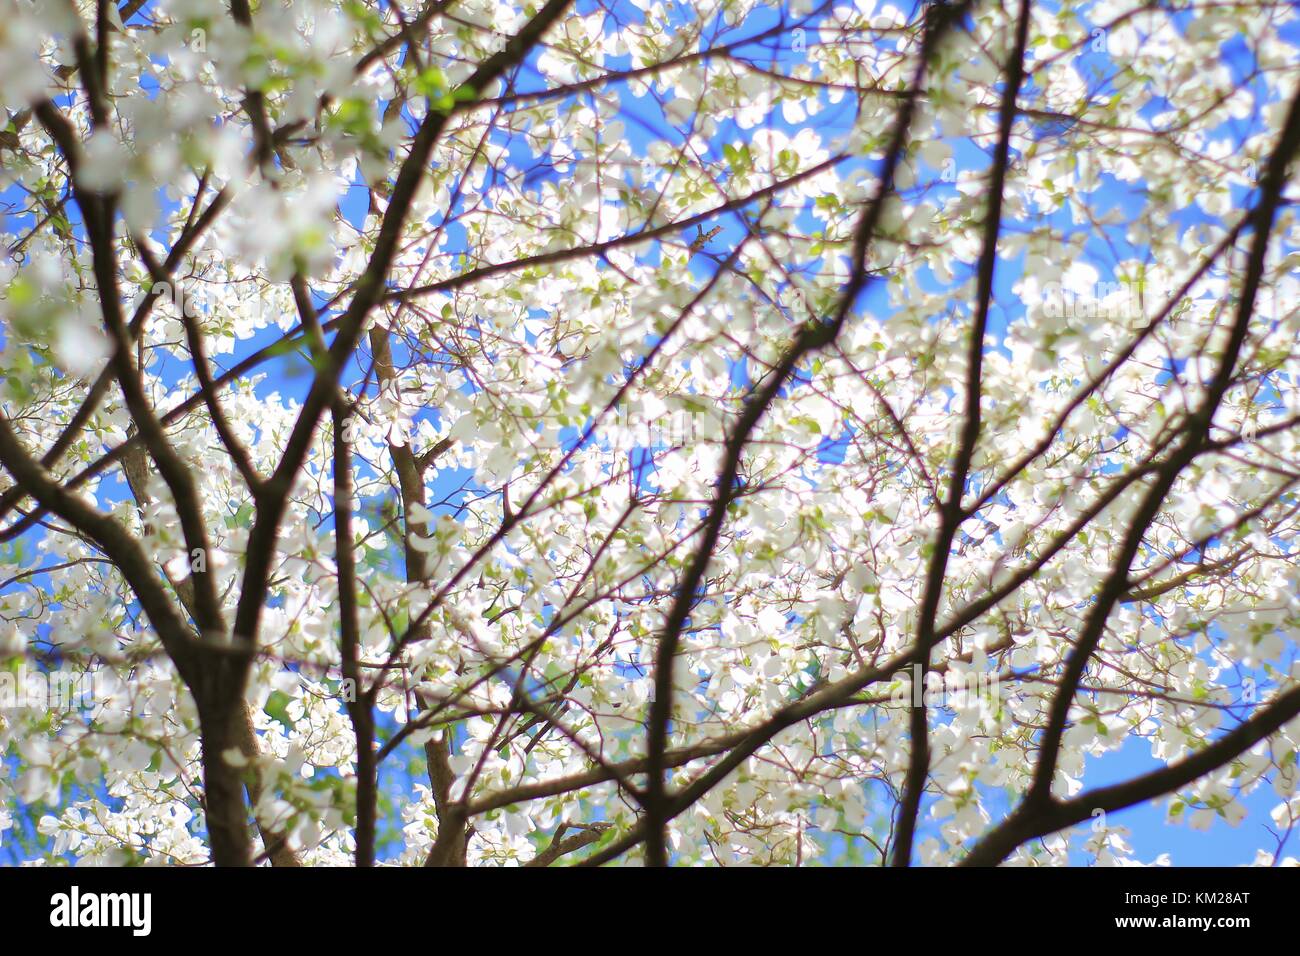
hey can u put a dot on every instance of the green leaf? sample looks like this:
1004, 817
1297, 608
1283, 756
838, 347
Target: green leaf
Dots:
431, 82
277, 708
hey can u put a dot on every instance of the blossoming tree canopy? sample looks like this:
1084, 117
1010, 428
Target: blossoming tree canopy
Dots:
465, 432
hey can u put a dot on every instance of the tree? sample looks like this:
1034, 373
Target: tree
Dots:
456, 432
